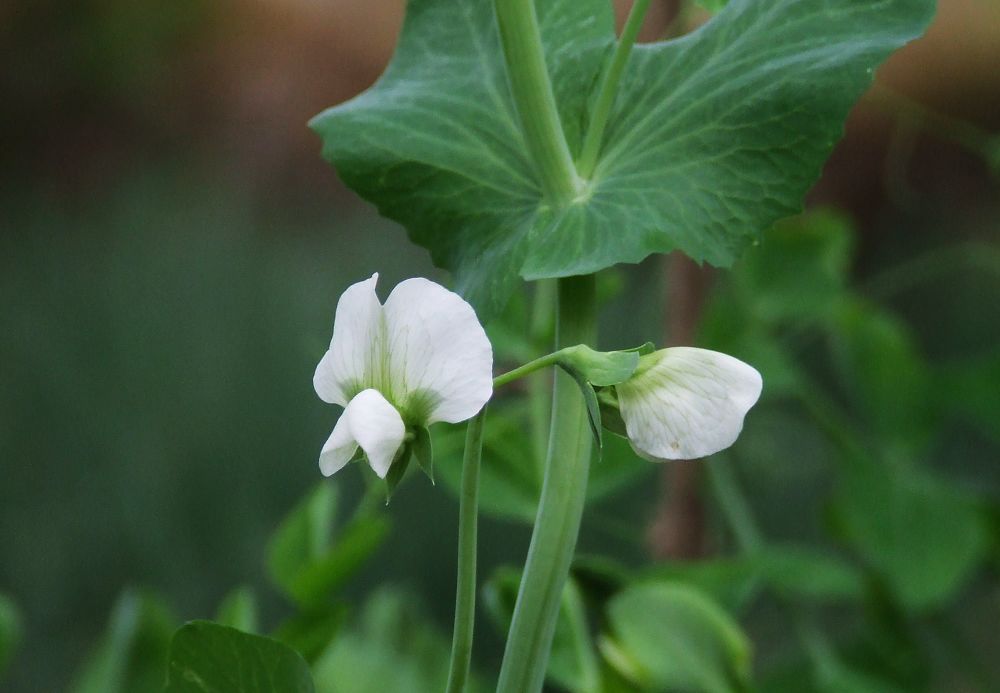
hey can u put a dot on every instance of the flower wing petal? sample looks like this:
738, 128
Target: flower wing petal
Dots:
689, 404
440, 359
377, 427
347, 365
339, 448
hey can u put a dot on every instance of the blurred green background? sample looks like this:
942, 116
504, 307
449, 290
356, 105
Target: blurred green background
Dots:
171, 253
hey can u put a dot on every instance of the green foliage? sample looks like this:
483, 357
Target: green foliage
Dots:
133, 650
920, 533
671, 636
573, 662
307, 561
209, 658
390, 648
10, 631
689, 161
239, 610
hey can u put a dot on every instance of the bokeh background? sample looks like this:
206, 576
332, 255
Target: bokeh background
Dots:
172, 249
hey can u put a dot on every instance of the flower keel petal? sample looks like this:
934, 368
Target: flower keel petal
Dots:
377, 427
339, 448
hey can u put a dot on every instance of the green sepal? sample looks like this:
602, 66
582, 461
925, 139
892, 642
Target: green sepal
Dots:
600, 368
593, 409
642, 349
423, 451
397, 470
611, 416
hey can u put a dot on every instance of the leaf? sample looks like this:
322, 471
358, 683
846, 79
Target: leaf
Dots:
670, 636
573, 663
239, 610
10, 631
304, 558
132, 651
309, 632
713, 136
968, 389
208, 658
920, 533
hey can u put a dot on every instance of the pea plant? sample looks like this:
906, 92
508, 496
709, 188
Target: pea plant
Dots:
526, 141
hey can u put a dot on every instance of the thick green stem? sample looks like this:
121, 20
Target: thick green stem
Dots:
609, 90
560, 507
465, 592
536, 103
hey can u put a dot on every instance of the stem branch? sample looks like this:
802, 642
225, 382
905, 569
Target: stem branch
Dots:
465, 592
560, 508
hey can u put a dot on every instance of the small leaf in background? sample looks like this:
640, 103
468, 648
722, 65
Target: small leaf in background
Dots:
921, 533
670, 636
206, 657
970, 390
392, 647
131, 654
799, 270
239, 610
573, 662
710, 141
10, 632
307, 562
882, 370
309, 632
303, 536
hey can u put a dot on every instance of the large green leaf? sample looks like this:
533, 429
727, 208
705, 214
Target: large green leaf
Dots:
208, 658
712, 137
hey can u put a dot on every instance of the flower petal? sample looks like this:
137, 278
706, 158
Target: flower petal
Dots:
377, 427
339, 448
440, 360
347, 365
686, 403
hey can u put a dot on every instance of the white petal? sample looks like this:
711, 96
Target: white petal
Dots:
339, 448
377, 427
687, 403
347, 366
440, 360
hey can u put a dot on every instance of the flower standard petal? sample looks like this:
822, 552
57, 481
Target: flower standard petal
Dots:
347, 366
440, 360
686, 403
377, 427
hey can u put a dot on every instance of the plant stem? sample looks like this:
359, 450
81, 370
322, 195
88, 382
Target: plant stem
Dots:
609, 89
560, 508
527, 369
535, 100
465, 591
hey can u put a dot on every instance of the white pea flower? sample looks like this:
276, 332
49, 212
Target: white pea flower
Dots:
684, 403
422, 357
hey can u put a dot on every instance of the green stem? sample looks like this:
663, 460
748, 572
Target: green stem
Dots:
527, 369
535, 100
465, 592
560, 507
609, 90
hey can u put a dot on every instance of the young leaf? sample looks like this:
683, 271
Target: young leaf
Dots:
712, 137
208, 658
303, 537
239, 610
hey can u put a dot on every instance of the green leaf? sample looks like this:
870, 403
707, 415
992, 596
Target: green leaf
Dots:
670, 636
712, 138
208, 658
239, 610
712, 5
306, 561
968, 389
573, 663
10, 631
309, 632
303, 536
132, 651
423, 451
922, 535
